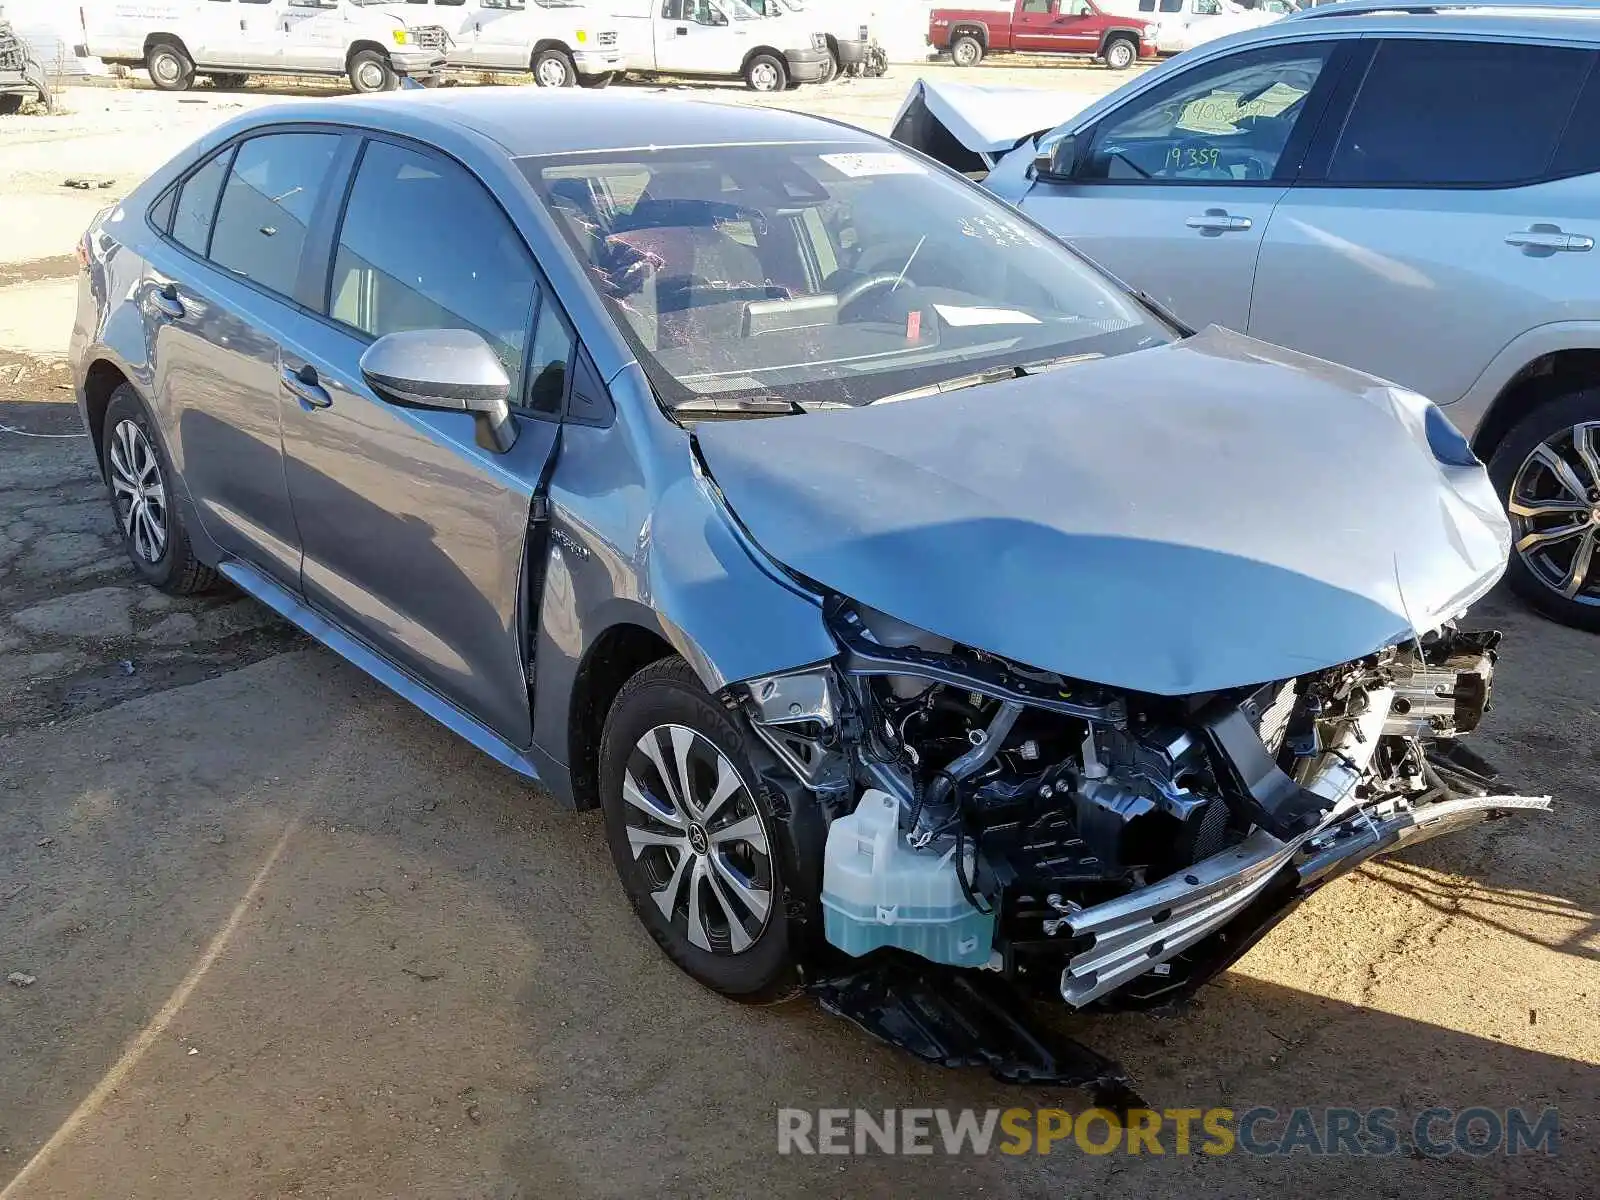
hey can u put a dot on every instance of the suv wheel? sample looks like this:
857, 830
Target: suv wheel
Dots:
966, 51
707, 864
1121, 53
370, 72
553, 68
171, 69
144, 498
1547, 469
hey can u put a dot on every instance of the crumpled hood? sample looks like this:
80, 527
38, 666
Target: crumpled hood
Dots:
1209, 514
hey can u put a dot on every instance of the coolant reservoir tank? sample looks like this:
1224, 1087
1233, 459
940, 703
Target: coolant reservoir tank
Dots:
877, 891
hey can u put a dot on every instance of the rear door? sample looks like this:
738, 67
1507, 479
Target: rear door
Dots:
220, 305
499, 36
413, 534
253, 33
312, 36
1444, 216
1173, 189
1033, 25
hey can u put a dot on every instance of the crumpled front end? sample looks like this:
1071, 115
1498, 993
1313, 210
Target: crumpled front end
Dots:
1111, 847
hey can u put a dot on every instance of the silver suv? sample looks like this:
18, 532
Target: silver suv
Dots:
1406, 189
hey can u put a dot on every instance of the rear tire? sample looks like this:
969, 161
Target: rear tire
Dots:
144, 498
830, 69
966, 51
766, 73
10, 104
170, 67
1121, 53
689, 866
1551, 432
554, 68
370, 72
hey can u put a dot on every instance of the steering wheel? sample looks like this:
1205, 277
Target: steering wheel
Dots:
855, 291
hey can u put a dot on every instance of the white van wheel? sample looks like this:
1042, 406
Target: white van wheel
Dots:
554, 68
170, 68
765, 73
370, 72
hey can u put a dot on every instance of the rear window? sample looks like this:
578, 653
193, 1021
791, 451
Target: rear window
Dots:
197, 204
271, 193
1441, 112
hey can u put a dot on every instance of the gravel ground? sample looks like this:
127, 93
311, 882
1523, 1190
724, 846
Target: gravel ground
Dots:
286, 936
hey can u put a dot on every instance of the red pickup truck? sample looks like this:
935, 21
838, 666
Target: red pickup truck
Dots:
1041, 27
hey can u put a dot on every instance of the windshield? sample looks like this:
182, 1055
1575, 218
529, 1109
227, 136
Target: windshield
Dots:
798, 275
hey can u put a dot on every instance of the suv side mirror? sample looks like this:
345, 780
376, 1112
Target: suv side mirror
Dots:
1057, 164
445, 370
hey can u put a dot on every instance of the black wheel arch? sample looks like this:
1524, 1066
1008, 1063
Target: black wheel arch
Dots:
1541, 382
972, 29
1130, 33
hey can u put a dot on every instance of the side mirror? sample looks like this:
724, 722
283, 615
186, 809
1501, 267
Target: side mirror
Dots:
1056, 164
446, 370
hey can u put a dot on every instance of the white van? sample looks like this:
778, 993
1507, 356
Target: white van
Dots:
230, 40
843, 22
724, 38
562, 42
1184, 24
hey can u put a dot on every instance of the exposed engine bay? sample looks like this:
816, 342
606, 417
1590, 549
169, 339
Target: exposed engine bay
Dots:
1110, 847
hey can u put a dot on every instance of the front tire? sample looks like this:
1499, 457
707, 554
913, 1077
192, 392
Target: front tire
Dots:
144, 492
766, 73
1547, 472
370, 72
554, 68
966, 51
1121, 53
170, 67
709, 867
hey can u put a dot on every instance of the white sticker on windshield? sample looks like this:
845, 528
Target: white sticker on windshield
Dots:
859, 166
959, 315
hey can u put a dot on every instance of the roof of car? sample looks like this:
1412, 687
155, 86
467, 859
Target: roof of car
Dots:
1554, 20
532, 121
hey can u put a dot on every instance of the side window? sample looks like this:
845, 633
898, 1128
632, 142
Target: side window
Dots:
161, 210
1036, 6
1171, 5
197, 204
424, 246
1147, 5
271, 193
1451, 112
551, 361
675, 10
1579, 152
1225, 122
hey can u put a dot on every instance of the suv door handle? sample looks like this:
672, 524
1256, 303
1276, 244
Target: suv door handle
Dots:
1548, 238
306, 388
165, 300
1218, 220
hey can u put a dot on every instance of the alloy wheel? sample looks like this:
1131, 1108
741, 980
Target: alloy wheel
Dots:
698, 839
966, 53
166, 68
552, 73
139, 491
1554, 504
371, 75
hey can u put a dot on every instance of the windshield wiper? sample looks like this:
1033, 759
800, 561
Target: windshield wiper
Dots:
979, 378
754, 406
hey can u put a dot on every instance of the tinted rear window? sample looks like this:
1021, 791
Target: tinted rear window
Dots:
1580, 147
1451, 112
272, 190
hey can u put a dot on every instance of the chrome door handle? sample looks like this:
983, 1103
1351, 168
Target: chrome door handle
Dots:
305, 388
1548, 238
165, 301
1217, 220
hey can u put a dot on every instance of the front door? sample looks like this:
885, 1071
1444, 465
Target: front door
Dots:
698, 38
219, 335
312, 35
499, 35
413, 534
1174, 189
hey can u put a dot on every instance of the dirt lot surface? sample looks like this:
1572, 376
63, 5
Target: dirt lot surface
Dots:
287, 936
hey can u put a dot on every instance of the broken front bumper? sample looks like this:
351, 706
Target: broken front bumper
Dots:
1142, 930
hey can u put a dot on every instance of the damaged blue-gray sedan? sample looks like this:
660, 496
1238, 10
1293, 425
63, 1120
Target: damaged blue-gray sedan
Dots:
889, 576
